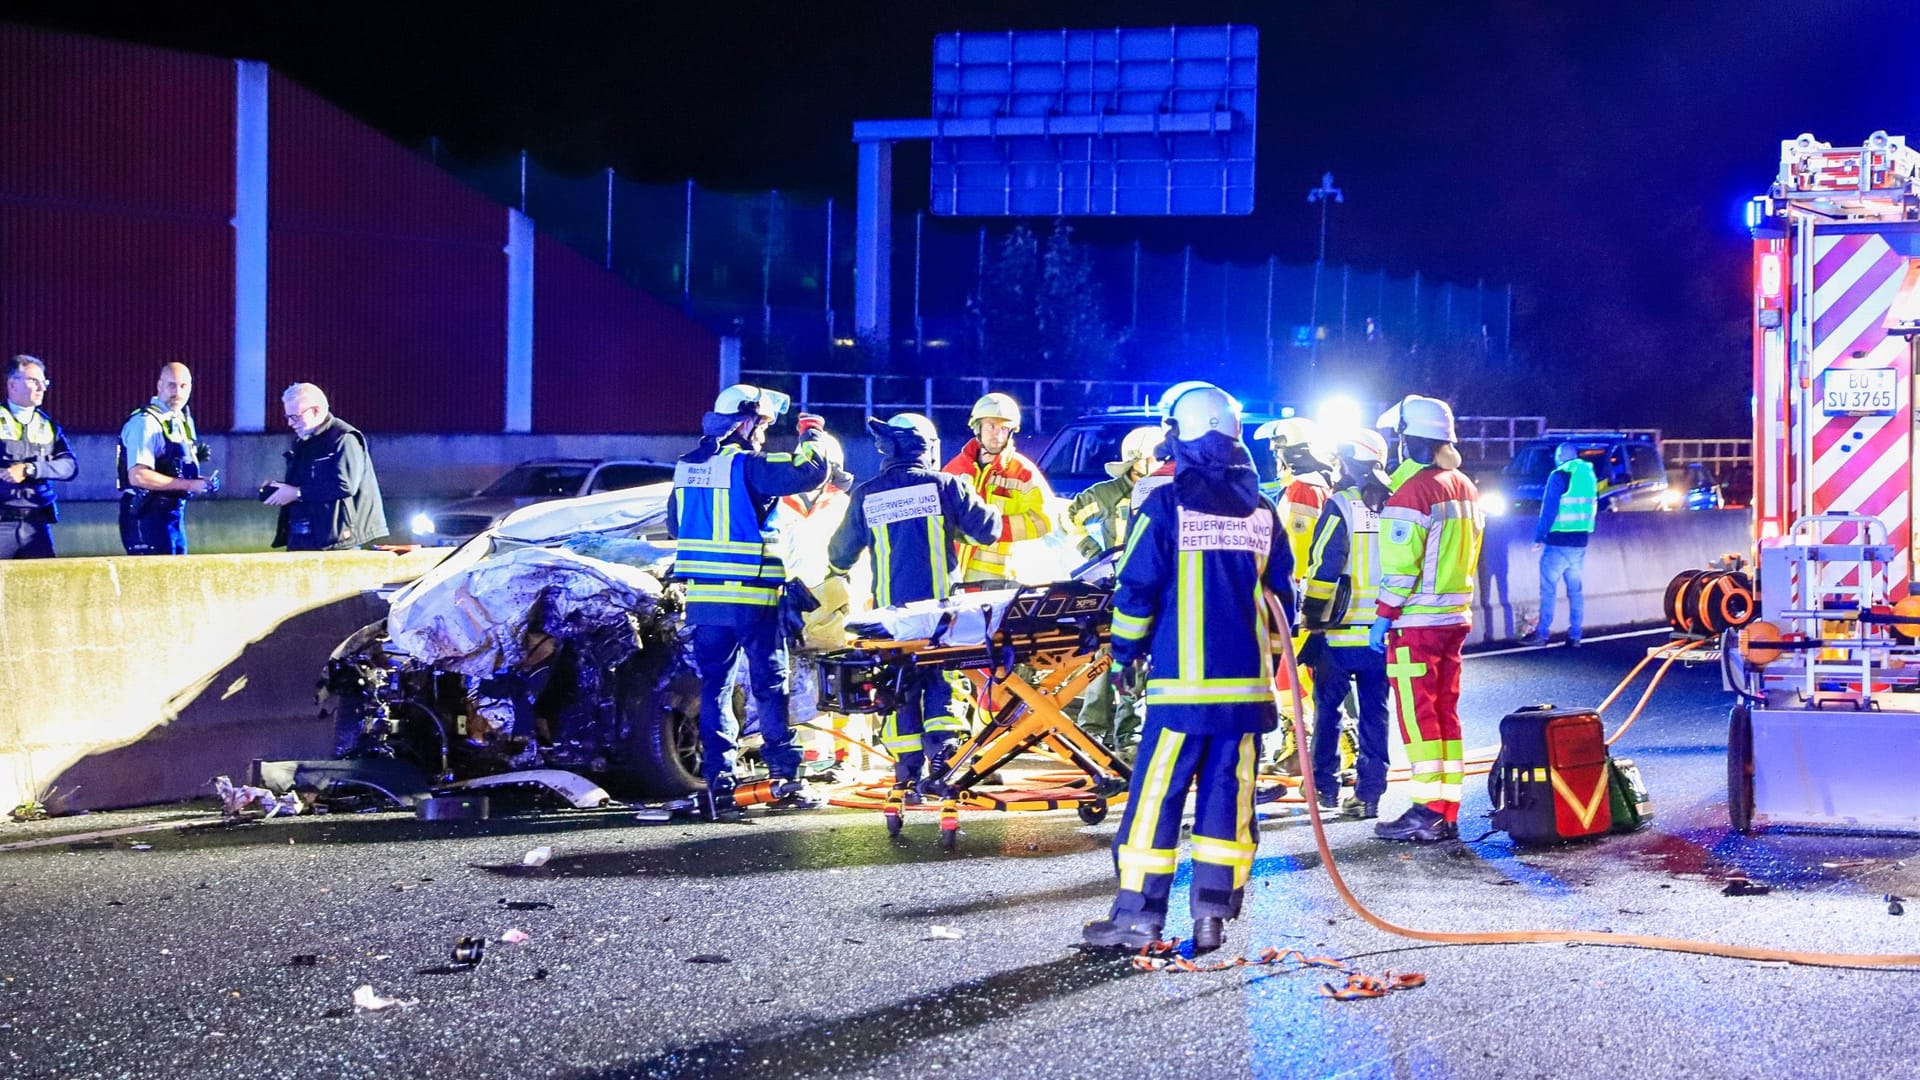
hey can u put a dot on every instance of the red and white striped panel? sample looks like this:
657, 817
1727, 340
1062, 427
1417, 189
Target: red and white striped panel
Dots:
1861, 464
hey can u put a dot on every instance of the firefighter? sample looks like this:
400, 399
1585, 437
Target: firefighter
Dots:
1007, 480
908, 517
730, 559
1431, 531
1102, 513
1342, 588
1206, 574
1302, 473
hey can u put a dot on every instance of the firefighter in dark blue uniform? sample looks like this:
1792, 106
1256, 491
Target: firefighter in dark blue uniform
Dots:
33, 453
1203, 583
723, 492
158, 462
909, 518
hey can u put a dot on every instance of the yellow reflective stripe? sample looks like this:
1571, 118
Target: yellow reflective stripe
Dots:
771, 570
1155, 780
1150, 860
1243, 817
1212, 849
1138, 530
731, 594
1131, 627
1208, 697
883, 567
937, 557
1321, 590
1235, 683
1193, 615
745, 547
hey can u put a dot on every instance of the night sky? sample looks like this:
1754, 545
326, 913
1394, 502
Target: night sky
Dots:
1594, 155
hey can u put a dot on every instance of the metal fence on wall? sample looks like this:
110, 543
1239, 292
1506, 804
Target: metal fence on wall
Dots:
776, 270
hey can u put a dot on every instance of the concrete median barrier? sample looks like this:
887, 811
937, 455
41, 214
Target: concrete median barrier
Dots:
138, 680
1630, 560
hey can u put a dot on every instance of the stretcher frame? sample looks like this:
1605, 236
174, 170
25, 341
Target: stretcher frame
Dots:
1058, 632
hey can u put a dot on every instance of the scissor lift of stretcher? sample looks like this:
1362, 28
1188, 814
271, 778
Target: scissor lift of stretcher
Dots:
1827, 730
1044, 651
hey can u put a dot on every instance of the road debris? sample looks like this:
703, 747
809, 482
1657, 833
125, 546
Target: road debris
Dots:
244, 800
1742, 887
537, 857
304, 960
525, 905
469, 951
365, 1000
709, 958
944, 933
1895, 904
514, 936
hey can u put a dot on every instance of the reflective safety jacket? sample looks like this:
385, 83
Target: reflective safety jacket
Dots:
1196, 592
1011, 483
1403, 472
1300, 507
37, 439
1430, 536
1101, 513
1569, 506
907, 518
1346, 547
729, 556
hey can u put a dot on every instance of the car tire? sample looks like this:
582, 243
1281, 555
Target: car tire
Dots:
659, 715
1740, 768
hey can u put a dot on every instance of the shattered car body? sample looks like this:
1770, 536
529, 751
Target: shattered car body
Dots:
551, 641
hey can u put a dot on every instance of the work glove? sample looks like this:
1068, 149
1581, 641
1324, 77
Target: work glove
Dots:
1377, 635
810, 422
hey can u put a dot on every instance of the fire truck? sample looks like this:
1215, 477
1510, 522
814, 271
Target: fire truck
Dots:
1826, 732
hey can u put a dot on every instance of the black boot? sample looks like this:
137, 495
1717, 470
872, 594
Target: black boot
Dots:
1419, 825
1131, 930
1208, 932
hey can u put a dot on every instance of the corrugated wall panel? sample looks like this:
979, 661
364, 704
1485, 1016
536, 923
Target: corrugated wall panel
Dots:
106, 298
116, 185
386, 280
608, 357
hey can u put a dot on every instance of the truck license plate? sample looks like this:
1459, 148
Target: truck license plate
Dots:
1858, 392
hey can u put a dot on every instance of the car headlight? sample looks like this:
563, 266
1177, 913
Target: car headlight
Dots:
1670, 500
1493, 504
421, 524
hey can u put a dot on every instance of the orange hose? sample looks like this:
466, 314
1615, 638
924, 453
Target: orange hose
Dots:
1571, 937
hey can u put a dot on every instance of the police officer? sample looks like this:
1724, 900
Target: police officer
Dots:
1008, 480
724, 490
159, 459
1567, 516
1342, 587
1430, 535
33, 454
1206, 574
908, 517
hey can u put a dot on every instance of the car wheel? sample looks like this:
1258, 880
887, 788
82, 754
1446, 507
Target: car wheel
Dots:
659, 716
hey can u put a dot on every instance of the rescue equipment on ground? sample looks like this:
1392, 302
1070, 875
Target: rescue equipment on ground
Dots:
1550, 781
1709, 601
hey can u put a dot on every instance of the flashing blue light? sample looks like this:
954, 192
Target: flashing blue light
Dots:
1756, 212
1286, 412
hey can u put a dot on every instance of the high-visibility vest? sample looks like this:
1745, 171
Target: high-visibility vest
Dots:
1362, 570
727, 555
1579, 504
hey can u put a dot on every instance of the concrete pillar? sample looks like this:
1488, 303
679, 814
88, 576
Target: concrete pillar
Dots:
250, 246
520, 241
873, 244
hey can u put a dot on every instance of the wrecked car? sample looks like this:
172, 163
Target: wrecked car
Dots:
553, 640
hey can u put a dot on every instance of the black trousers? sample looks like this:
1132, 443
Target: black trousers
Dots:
25, 540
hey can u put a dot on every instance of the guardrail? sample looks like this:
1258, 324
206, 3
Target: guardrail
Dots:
1722, 454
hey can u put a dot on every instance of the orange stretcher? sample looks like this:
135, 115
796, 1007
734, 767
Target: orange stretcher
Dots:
1046, 650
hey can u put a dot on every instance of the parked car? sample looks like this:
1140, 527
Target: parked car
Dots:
1077, 456
1627, 465
525, 484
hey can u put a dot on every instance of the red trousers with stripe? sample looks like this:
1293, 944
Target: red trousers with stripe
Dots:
1423, 668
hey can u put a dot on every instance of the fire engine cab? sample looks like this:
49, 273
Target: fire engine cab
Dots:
1826, 733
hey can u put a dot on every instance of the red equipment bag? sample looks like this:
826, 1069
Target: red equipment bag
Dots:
1550, 781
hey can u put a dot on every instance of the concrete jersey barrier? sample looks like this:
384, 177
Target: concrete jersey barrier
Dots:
139, 679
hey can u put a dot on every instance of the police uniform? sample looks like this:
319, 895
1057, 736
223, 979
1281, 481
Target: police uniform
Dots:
730, 559
908, 519
28, 509
153, 522
1204, 573
1345, 557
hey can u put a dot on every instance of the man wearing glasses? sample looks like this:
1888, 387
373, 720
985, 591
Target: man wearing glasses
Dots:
331, 498
33, 454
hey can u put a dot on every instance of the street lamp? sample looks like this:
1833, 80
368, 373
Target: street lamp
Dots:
1323, 195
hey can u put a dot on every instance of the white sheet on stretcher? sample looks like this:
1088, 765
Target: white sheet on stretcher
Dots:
969, 618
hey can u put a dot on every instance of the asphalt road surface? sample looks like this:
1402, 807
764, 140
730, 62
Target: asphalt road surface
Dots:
807, 945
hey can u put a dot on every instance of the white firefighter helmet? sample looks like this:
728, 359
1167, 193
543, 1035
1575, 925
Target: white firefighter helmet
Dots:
1204, 408
1140, 444
904, 422
1292, 431
1366, 447
995, 406
1420, 417
1172, 393
735, 399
